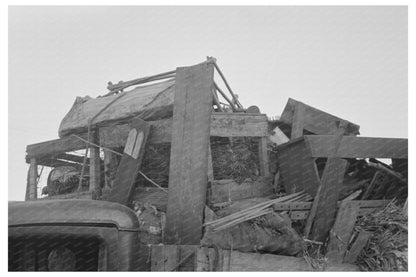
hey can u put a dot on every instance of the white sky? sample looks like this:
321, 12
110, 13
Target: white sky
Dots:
348, 61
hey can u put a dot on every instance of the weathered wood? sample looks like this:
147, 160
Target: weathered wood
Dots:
152, 196
71, 158
277, 136
208, 259
147, 102
238, 124
228, 190
317, 121
358, 147
298, 120
32, 176
55, 163
188, 168
379, 179
95, 168
129, 167
297, 168
341, 231
53, 147
173, 257
263, 157
357, 246
210, 168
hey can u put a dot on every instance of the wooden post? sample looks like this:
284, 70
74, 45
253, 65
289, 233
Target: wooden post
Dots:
342, 231
263, 157
95, 167
188, 169
210, 169
32, 176
298, 121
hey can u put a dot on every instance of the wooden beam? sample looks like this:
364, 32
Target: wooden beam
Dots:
316, 121
298, 120
32, 177
358, 147
95, 167
55, 163
263, 157
188, 168
71, 158
357, 246
53, 147
342, 231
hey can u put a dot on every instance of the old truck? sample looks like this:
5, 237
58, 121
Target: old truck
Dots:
137, 175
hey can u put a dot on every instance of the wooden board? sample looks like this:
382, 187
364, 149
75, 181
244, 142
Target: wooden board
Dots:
225, 260
298, 120
357, 246
297, 168
130, 163
95, 167
188, 168
147, 102
316, 121
359, 147
167, 257
327, 197
53, 147
228, 190
264, 157
341, 231
32, 176
222, 125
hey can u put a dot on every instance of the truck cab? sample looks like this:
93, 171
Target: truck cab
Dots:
72, 235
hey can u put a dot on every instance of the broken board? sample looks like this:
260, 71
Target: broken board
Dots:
188, 168
130, 163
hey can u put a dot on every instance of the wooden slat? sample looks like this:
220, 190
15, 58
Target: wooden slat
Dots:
95, 168
71, 158
342, 231
358, 245
129, 167
32, 176
188, 168
327, 197
359, 147
316, 121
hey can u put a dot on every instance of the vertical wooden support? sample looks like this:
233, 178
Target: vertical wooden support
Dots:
298, 121
95, 167
325, 202
210, 169
342, 231
32, 176
358, 245
188, 170
263, 157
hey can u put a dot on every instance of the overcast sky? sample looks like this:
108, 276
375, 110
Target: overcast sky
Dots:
348, 61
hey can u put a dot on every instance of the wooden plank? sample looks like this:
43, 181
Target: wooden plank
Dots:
210, 168
359, 147
71, 158
358, 245
277, 136
129, 166
32, 176
55, 146
317, 121
229, 190
222, 125
263, 157
342, 231
188, 168
297, 168
95, 168
56, 163
327, 197
298, 120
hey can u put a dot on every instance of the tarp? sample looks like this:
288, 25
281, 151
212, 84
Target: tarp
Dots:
150, 102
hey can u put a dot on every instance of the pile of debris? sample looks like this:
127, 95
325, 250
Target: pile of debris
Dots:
218, 187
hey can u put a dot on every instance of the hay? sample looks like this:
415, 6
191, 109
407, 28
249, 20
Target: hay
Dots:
388, 245
235, 158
